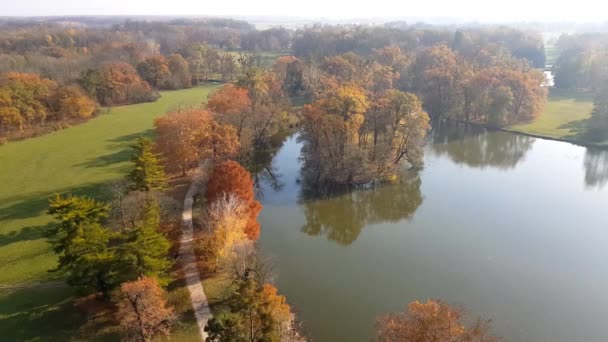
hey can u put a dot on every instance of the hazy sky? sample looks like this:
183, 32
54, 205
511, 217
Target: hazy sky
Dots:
490, 10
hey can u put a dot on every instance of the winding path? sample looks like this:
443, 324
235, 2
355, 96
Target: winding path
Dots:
200, 304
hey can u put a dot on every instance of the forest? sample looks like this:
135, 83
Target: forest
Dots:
363, 101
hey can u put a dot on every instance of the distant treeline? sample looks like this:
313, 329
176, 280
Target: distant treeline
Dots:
116, 62
323, 41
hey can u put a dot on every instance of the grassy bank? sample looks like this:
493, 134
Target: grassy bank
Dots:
564, 117
82, 159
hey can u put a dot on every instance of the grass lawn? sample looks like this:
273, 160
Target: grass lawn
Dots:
563, 117
81, 159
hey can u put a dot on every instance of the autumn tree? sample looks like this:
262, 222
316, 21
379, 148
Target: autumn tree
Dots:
117, 83
187, 137
72, 102
257, 313
233, 106
430, 322
228, 178
24, 99
181, 77
147, 173
142, 310
268, 103
226, 223
155, 71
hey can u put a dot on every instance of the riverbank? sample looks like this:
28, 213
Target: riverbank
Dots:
563, 119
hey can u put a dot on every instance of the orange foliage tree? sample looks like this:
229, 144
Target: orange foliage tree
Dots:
430, 322
230, 177
72, 102
233, 105
155, 70
187, 137
142, 310
119, 83
28, 99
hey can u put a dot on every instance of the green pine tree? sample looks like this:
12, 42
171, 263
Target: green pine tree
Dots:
73, 213
85, 248
148, 173
94, 262
147, 249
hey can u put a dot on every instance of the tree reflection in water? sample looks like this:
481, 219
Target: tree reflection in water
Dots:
341, 212
477, 147
596, 167
261, 165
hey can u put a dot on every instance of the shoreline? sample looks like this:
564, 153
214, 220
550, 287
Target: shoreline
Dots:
537, 136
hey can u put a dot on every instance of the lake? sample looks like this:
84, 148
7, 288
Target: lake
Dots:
512, 228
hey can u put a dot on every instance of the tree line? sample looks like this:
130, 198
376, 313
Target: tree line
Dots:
368, 113
582, 66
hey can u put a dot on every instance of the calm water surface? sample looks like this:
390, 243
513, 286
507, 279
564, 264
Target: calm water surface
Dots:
513, 228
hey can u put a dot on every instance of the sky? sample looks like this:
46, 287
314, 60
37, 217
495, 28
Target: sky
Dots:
479, 10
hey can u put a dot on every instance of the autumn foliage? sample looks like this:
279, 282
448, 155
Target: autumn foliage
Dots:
119, 83
432, 321
230, 177
234, 105
29, 100
187, 137
142, 310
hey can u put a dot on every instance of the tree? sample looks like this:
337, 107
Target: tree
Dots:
147, 173
432, 321
597, 127
181, 77
119, 83
230, 177
227, 222
85, 248
233, 105
25, 98
257, 313
187, 137
406, 125
143, 310
146, 249
268, 103
73, 213
155, 71
71, 102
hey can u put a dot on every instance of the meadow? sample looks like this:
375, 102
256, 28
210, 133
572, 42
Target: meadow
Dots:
82, 159
564, 116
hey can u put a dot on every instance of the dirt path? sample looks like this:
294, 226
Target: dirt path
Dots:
199, 300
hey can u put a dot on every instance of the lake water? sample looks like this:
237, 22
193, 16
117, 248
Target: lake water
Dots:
514, 229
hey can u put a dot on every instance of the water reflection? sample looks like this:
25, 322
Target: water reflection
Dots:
476, 147
596, 167
341, 214
261, 165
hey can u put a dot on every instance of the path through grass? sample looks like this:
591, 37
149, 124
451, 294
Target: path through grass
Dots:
82, 159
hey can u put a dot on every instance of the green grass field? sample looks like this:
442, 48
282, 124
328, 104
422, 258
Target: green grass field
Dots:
82, 159
563, 118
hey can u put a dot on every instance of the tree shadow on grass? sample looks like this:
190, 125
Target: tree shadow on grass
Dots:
35, 204
25, 234
108, 159
149, 133
38, 314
